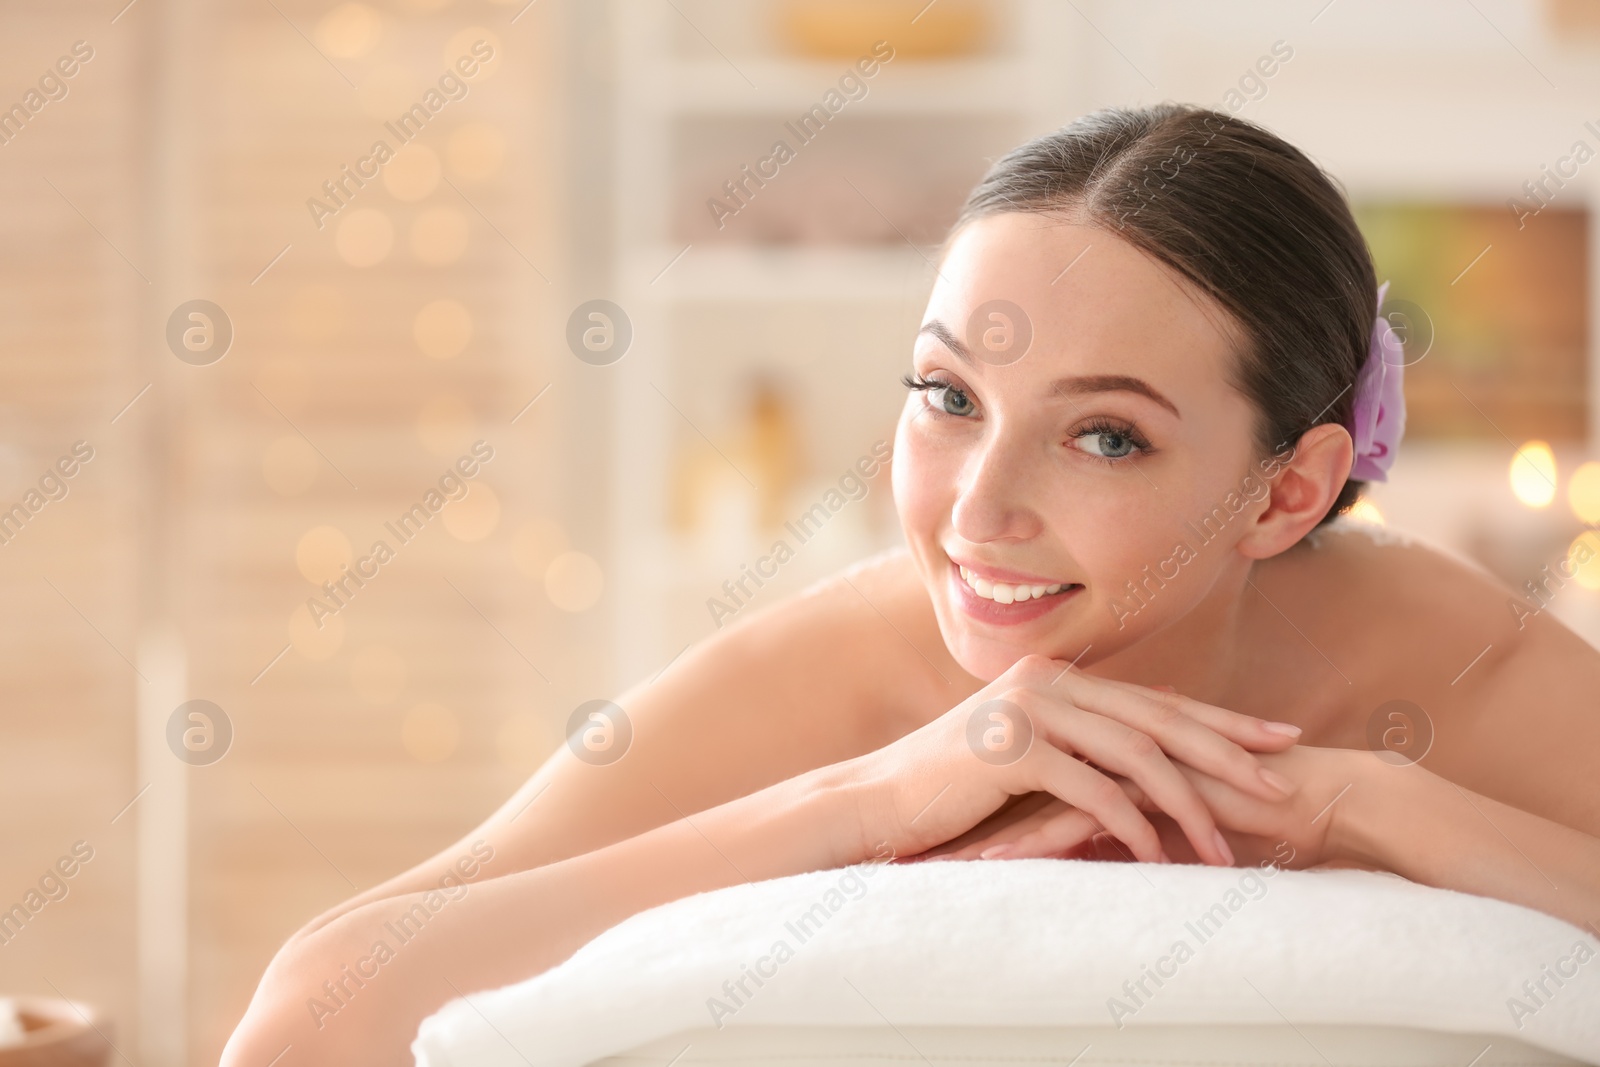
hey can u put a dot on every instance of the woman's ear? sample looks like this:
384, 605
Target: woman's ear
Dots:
1301, 492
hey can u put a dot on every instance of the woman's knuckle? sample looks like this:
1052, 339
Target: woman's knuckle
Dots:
1142, 746
1167, 711
1105, 792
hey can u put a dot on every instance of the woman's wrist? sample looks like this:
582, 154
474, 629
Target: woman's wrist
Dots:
1370, 821
810, 822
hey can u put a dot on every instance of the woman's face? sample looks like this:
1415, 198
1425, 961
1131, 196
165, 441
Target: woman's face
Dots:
1081, 433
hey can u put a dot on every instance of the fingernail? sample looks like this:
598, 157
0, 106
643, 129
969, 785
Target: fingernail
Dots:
994, 853
1287, 729
1222, 847
1277, 781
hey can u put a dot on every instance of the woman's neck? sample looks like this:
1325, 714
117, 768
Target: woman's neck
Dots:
1201, 654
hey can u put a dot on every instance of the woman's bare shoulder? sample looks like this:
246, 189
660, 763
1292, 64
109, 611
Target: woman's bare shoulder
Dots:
868, 628
1367, 571
1400, 618
847, 664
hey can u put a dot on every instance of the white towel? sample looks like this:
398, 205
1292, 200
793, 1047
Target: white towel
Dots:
1045, 943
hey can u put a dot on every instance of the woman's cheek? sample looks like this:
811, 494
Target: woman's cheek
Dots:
1153, 574
1123, 551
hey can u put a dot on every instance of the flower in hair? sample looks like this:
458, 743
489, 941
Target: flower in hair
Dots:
1378, 415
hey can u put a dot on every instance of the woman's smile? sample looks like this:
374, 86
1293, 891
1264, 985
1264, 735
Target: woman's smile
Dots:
984, 598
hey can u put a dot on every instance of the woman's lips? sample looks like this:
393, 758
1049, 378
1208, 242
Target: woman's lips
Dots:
992, 611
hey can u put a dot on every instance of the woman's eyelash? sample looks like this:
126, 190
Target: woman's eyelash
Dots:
1121, 429
917, 381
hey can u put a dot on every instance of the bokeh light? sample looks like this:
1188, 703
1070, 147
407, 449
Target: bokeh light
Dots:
1533, 474
321, 553
443, 328
1583, 493
1584, 554
348, 31
1364, 510
364, 237
574, 581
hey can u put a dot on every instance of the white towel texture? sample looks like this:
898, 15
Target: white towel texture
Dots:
1045, 943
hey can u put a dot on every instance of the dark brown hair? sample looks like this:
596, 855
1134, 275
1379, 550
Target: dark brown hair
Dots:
1242, 214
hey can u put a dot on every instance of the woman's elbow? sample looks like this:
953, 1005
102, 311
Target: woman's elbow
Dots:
282, 1027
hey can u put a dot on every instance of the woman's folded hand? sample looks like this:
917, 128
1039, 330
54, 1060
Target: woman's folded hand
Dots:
1044, 728
1297, 831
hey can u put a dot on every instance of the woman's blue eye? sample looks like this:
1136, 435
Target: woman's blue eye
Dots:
953, 401
1110, 444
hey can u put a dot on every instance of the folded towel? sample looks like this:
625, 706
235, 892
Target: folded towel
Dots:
1045, 943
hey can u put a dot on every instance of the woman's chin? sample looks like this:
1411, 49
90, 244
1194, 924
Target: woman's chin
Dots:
987, 659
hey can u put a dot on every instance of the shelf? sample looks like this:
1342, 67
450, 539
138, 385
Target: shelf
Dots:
798, 273
791, 87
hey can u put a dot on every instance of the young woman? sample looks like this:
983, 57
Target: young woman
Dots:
1125, 625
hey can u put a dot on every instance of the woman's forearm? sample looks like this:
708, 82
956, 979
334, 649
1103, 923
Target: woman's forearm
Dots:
1428, 829
354, 991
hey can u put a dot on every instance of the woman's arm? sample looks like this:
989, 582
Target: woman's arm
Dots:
808, 682
1426, 828
354, 991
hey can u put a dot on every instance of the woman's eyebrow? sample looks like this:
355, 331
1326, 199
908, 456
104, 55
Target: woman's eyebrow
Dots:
1083, 384
1110, 383
940, 332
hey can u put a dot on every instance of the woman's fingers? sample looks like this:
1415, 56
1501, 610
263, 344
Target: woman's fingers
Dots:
1138, 756
1058, 833
971, 848
1099, 796
1002, 825
1198, 734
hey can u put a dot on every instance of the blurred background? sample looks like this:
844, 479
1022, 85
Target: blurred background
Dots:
242, 344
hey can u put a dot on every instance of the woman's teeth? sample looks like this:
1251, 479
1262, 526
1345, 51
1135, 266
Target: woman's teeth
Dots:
1001, 593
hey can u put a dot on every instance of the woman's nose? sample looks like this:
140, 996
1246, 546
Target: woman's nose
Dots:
993, 502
